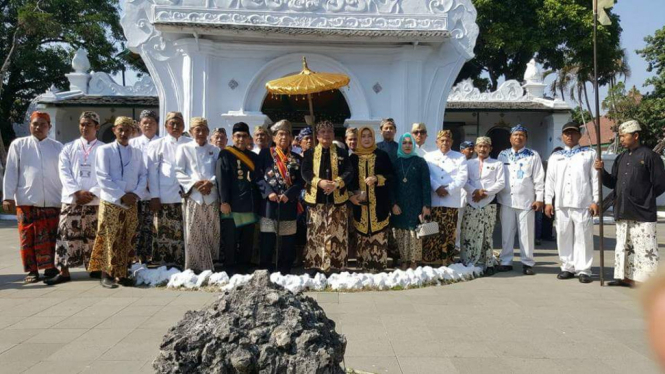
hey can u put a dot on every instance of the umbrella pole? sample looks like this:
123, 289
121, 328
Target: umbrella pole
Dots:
311, 106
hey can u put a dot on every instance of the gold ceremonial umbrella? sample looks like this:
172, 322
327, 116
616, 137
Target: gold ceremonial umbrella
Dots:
307, 82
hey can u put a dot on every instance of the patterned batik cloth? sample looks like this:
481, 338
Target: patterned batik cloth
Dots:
327, 239
113, 248
38, 231
168, 241
202, 235
77, 231
286, 228
145, 231
372, 251
636, 254
410, 247
477, 235
440, 248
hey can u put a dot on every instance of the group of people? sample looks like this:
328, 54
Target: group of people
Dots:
193, 202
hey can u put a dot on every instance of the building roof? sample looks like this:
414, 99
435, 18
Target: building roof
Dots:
275, 32
606, 132
504, 106
147, 101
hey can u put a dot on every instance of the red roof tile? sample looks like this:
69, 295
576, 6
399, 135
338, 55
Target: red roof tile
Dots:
606, 132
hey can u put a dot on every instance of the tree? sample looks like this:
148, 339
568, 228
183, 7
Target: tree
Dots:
37, 41
558, 31
654, 54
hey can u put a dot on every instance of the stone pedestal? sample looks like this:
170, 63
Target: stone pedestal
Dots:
78, 82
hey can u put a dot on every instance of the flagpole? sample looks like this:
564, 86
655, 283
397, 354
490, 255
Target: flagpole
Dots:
599, 150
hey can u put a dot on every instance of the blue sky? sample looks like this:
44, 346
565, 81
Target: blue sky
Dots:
639, 18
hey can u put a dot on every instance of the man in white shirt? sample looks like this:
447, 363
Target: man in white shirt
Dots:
419, 132
466, 148
448, 175
121, 176
77, 229
32, 187
486, 179
520, 199
195, 169
262, 139
148, 122
573, 182
168, 242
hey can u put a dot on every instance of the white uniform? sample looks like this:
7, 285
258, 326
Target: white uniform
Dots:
141, 143
202, 226
448, 170
77, 169
161, 169
572, 185
120, 170
31, 174
525, 184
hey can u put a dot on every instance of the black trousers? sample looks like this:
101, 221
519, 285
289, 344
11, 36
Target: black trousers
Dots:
287, 252
238, 251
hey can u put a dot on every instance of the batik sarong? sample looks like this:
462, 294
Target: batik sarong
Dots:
202, 235
113, 248
410, 247
38, 231
477, 236
440, 248
327, 239
168, 241
145, 231
636, 254
77, 231
373, 251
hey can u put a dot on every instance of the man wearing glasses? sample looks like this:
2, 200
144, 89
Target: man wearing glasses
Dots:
419, 132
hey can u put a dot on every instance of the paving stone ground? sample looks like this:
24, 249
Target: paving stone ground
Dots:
508, 323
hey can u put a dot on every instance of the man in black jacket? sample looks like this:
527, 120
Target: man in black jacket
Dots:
280, 183
236, 181
638, 178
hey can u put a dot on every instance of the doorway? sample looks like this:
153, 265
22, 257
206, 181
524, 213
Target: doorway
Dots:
328, 105
500, 140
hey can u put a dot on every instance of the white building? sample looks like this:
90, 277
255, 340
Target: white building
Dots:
212, 58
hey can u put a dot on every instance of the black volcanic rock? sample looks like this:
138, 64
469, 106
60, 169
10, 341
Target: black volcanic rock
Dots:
259, 327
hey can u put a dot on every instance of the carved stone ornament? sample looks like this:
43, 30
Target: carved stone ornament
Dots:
508, 91
456, 16
102, 84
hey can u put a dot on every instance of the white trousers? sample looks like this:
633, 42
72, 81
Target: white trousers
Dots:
636, 255
458, 232
574, 237
522, 222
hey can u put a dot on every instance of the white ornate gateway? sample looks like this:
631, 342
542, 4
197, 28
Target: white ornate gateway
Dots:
212, 57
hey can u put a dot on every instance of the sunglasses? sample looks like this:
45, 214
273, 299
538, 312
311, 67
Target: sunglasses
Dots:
420, 132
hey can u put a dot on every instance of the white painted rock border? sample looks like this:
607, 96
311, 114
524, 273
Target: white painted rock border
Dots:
345, 281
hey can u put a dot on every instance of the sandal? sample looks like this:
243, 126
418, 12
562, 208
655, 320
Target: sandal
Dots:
32, 277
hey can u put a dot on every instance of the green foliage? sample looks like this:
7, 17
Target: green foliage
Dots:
654, 54
558, 31
581, 116
48, 32
648, 110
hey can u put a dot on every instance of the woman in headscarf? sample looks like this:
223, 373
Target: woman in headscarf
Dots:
412, 200
372, 201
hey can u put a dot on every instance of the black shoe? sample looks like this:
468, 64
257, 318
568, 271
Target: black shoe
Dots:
565, 275
528, 270
619, 283
50, 273
585, 278
489, 271
126, 282
504, 268
96, 274
58, 279
108, 283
